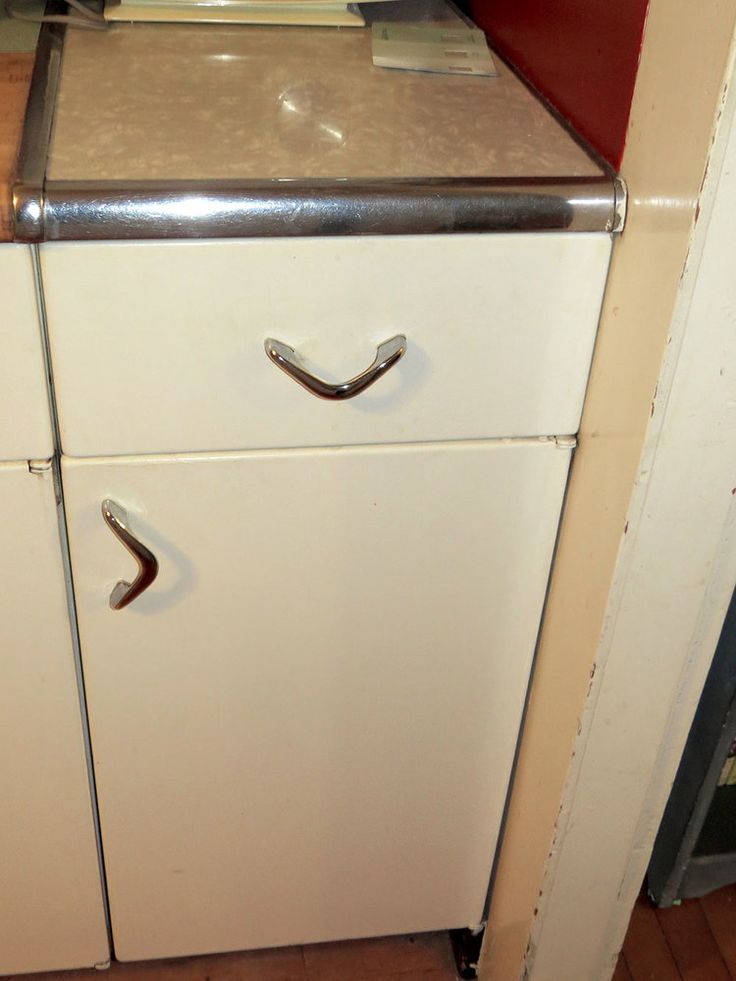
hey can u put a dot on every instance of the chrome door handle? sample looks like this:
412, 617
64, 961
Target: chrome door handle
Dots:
288, 360
125, 592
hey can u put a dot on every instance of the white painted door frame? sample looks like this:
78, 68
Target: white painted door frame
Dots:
674, 577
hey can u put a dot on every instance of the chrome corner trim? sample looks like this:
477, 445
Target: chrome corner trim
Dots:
28, 205
621, 201
83, 210
28, 188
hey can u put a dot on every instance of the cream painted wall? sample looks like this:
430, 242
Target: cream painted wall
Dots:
674, 577
676, 101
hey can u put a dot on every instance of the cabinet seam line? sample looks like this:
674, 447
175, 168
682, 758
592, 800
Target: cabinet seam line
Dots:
69, 588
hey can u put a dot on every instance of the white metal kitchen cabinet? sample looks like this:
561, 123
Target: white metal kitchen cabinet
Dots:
303, 730
51, 904
25, 420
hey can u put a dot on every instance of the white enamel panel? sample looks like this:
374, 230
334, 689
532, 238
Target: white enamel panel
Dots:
158, 347
25, 421
304, 729
51, 910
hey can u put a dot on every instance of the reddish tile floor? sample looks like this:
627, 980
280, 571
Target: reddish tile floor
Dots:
695, 941
422, 957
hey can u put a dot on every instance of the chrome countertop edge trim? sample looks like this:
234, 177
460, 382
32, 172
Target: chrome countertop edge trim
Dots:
60, 210
94, 211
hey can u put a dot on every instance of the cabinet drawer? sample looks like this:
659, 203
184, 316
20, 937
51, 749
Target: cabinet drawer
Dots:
159, 347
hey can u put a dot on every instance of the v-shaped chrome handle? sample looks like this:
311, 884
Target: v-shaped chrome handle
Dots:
387, 354
125, 592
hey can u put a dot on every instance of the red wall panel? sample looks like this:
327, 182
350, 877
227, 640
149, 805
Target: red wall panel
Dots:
581, 54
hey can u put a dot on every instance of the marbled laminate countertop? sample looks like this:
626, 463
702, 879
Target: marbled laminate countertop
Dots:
185, 102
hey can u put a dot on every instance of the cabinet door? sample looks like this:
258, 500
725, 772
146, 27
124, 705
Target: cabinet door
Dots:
51, 906
25, 419
304, 729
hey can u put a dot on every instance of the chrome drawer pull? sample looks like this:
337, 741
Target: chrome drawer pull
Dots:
125, 592
288, 360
